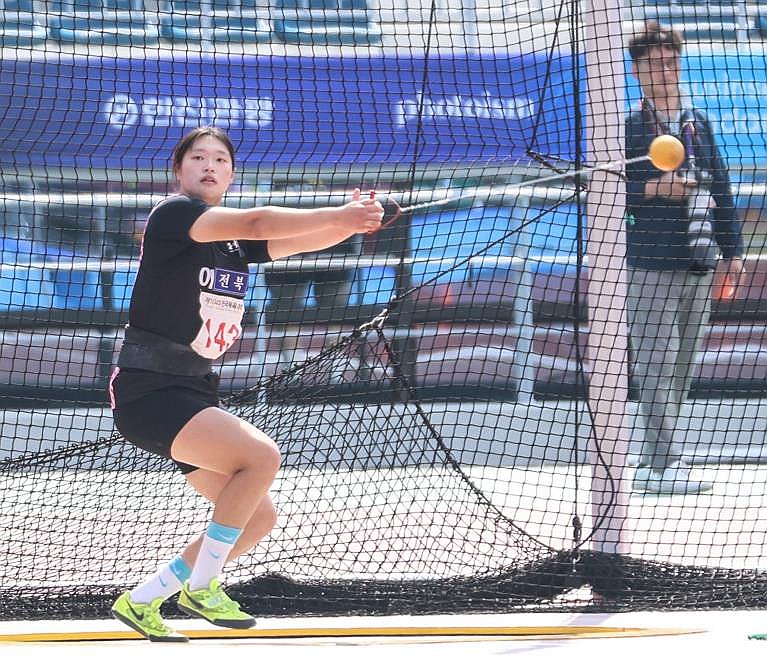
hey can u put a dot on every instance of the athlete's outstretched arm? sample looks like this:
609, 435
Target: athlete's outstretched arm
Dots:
325, 237
289, 230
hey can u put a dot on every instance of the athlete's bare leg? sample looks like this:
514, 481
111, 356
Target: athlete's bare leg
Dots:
247, 458
209, 485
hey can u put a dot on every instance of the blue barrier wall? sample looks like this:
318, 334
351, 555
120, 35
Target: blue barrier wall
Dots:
125, 113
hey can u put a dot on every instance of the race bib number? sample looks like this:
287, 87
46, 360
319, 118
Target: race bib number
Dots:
221, 324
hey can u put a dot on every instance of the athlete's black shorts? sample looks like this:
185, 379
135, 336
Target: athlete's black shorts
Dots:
150, 409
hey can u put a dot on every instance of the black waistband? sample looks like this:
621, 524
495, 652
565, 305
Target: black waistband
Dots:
151, 352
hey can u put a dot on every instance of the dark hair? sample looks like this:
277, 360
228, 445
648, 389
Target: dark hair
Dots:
187, 141
654, 36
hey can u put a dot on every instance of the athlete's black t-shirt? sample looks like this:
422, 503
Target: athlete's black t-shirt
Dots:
188, 292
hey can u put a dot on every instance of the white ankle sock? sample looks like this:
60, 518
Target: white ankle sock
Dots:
216, 546
163, 584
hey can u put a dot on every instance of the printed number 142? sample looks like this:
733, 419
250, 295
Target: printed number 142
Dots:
222, 336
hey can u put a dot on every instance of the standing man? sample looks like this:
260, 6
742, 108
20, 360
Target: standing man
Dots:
678, 224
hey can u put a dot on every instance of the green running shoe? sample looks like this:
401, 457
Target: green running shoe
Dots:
213, 604
145, 619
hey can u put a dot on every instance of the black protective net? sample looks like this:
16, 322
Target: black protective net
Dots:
378, 515
459, 401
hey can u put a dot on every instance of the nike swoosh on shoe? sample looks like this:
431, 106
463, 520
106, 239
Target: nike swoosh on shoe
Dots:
196, 603
138, 615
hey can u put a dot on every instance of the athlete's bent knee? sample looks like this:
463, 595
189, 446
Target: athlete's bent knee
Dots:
270, 458
270, 516
272, 464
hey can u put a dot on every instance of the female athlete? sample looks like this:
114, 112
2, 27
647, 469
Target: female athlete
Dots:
186, 311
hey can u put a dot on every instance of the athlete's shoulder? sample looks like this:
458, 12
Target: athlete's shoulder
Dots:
178, 202
172, 217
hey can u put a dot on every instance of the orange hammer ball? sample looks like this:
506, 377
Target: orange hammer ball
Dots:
666, 152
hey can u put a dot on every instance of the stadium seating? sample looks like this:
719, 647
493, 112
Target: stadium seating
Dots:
455, 234
734, 352
76, 289
234, 21
183, 20
239, 21
373, 285
20, 24
450, 357
478, 363
324, 22
758, 18
696, 20
464, 258
52, 358
122, 286
549, 240
113, 22
553, 232
24, 288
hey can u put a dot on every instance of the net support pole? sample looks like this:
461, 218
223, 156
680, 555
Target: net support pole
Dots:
605, 207
523, 369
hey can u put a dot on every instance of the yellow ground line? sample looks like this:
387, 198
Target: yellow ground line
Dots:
530, 632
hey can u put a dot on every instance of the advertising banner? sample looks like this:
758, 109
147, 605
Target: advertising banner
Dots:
102, 112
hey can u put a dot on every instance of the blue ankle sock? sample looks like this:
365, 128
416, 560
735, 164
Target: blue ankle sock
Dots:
180, 569
214, 550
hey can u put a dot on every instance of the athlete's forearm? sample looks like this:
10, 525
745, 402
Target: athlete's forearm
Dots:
315, 241
280, 223
265, 223
285, 223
